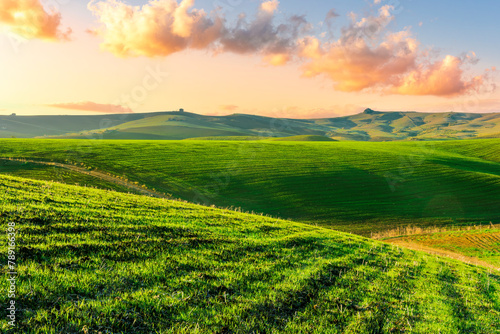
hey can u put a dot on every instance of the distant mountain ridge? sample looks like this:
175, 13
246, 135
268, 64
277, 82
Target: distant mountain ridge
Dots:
369, 125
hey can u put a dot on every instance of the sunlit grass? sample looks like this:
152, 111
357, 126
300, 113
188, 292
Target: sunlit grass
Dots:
95, 261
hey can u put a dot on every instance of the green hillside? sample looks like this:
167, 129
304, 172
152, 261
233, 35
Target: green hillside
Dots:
351, 186
183, 125
92, 261
385, 126
367, 126
167, 126
37, 126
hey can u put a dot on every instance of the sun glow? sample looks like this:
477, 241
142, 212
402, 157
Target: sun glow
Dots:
19, 15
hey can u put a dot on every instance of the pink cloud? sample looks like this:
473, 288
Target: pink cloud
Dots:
158, 28
163, 27
444, 77
366, 57
92, 106
229, 107
30, 20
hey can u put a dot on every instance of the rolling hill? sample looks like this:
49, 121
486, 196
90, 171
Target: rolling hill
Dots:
35, 126
92, 261
367, 126
359, 187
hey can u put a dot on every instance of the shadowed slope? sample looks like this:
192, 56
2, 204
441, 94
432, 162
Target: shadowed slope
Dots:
355, 187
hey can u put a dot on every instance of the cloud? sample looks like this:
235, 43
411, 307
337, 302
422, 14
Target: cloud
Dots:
163, 27
332, 13
444, 78
29, 19
364, 58
367, 56
330, 16
229, 107
269, 6
158, 28
354, 62
92, 106
261, 36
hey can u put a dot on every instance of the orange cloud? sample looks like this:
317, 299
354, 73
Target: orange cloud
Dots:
367, 56
30, 20
229, 107
356, 61
269, 6
163, 27
91, 106
277, 59
444, 78
363, 59
357, 66
159, 28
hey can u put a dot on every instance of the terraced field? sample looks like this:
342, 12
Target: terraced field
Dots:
481, 244
350, 186
91, 261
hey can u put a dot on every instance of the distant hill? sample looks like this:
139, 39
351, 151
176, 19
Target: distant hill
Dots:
38, 126
370, 125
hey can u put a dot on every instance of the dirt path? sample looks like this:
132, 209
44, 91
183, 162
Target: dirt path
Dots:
441, 252
97, 174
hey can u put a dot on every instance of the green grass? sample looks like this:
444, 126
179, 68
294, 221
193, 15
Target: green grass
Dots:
235, 138
56, 174
290, 138
351, 186
95, 261
303, 138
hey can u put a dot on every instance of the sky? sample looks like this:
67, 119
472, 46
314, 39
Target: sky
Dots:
297, 59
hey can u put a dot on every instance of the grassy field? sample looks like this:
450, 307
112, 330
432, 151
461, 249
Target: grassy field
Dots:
351, 186
55, 174
289, 138
94, 261
482, 244
303, 138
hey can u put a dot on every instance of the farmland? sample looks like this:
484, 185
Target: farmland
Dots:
53, 173
99, 261
482, 244
351, 186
